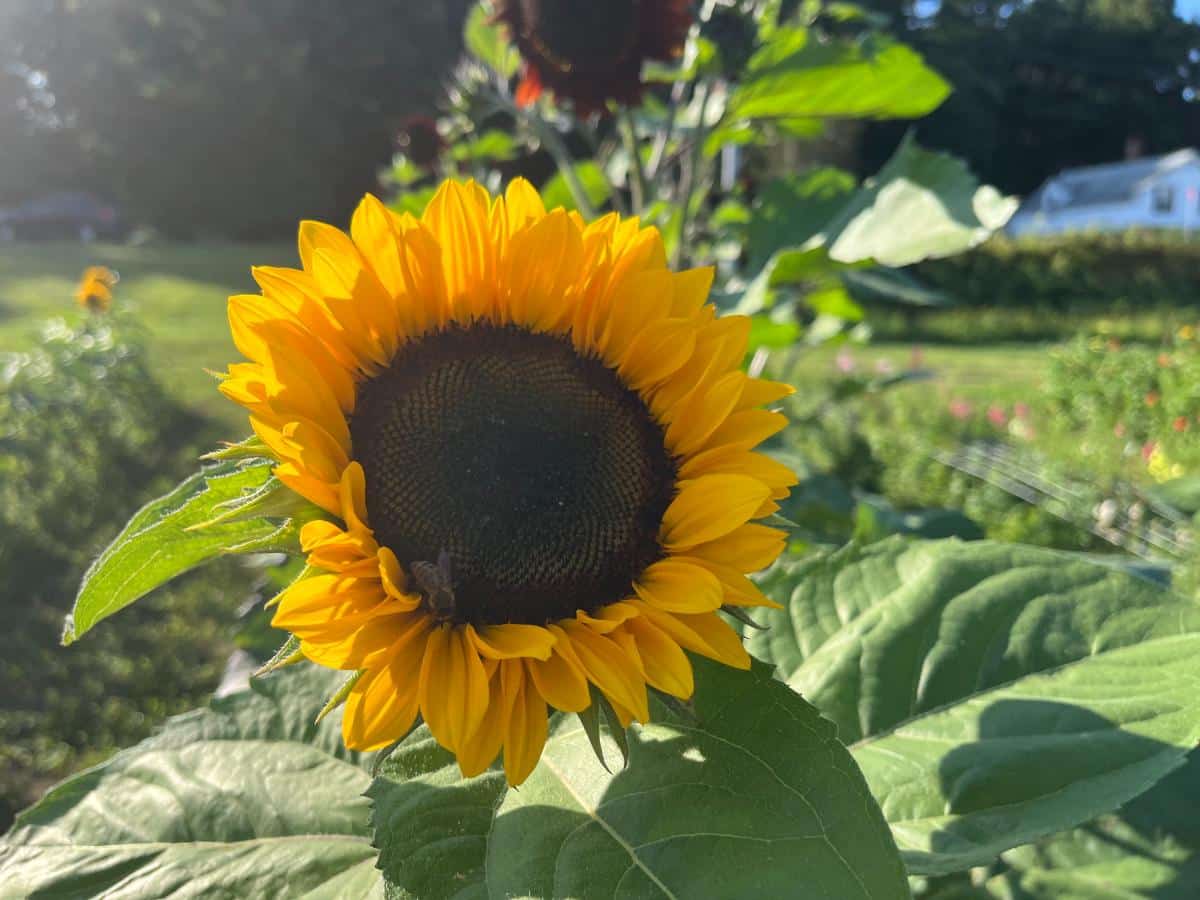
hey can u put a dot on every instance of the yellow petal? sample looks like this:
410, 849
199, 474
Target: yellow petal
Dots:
746, 429
383, 704
735, 461
454, 687
746, 549
322, 493
691, 291
353, 493
512, 641
560, 679
479, 751
665, 665
759, 392
394, 581
523, 205
706, 634
526, 733
693, 420
739, 590
609, 667
710, 507
677, 584
459, 222
607, 618
371, 644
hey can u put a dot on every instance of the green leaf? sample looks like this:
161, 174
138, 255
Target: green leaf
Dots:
492, 146
430, 823
157, 544
794, 76
790, 211
487, 43
921, 205
994, 693
223, 802
1151, 849
755, 796
556, 193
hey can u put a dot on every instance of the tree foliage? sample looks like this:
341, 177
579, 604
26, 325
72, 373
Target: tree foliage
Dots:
1042, 85
215, 116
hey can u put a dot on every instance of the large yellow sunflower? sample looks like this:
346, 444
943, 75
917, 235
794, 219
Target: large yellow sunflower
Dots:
535, 444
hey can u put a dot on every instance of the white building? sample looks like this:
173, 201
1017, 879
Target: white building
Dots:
1153, 192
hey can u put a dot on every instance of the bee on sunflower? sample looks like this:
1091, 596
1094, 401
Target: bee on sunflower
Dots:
535, 446
590, 52
94, 291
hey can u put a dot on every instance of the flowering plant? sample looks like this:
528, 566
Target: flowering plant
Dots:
511, 436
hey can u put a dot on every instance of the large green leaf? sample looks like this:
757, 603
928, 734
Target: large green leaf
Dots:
921, 205
236, 801
995, 693
157, 545
431, 824
752, 797
795, 76
1150, 850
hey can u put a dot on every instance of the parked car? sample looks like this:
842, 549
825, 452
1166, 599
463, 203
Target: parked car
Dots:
59, 215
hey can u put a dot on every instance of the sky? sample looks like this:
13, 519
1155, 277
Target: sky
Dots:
1188, 9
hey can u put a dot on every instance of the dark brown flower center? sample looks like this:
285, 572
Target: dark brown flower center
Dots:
535, 469
581, 35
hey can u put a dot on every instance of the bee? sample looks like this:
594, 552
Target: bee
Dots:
436, 583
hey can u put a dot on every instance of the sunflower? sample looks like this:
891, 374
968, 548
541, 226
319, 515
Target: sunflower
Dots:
535, 446
592, 52
94, 292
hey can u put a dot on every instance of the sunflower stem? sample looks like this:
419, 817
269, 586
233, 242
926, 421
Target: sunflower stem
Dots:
557, 149
689, 181
638, 185
659, 154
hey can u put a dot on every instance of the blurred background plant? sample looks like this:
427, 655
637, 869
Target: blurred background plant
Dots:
87, 433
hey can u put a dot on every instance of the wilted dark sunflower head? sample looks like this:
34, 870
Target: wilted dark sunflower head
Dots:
593, 52
420, 141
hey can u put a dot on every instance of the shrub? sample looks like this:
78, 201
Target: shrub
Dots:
1064, 272
86, 432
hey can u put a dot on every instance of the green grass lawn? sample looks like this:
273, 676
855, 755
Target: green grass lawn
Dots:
177, 292
1002, 372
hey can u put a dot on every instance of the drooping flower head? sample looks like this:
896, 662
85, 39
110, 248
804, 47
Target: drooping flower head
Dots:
419, 139
94, 292
592, 52
534, 443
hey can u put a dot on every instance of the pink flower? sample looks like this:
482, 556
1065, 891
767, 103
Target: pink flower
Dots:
960, 408
997, 416
1148, 449
1021, 410
1119, 429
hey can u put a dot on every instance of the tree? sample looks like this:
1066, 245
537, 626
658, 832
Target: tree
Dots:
1042, 85
219, 116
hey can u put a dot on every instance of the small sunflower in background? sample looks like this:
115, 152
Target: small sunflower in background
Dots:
591, 52
94, 292
535, 445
